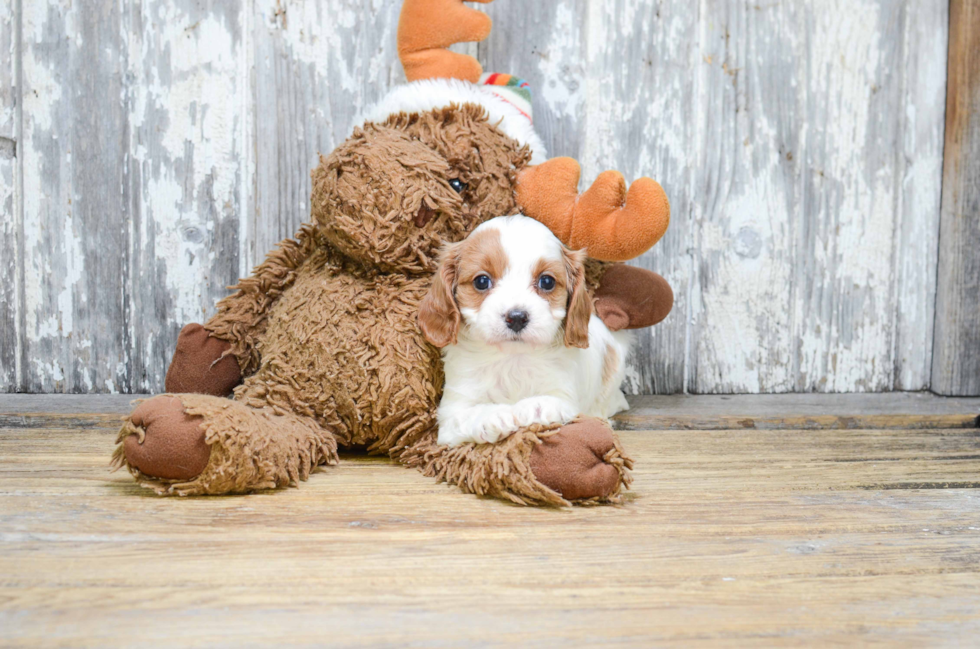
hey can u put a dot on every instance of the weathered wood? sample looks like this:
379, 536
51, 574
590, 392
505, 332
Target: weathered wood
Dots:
76, 197
739, 405
133, 138
629, 421
899, 410
797, 537
167, 147
68, 404
802, 221
10, 213
671, 412
317, 65
189, 169
800, 146
956, 355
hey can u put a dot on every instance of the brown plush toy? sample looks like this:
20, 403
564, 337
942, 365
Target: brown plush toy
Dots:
321, 345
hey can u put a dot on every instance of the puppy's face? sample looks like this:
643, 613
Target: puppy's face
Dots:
511, 281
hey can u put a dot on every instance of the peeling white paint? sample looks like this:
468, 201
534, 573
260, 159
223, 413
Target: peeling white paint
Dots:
800, 143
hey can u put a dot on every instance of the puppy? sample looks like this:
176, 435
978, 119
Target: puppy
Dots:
520, 342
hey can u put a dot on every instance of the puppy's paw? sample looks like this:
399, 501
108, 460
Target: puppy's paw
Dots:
544, 410
481, 424
499, 422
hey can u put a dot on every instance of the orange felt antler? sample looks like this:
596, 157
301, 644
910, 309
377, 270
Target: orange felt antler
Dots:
611, 223
427, 27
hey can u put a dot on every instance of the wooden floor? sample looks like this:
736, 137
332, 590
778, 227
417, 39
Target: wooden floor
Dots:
756, 535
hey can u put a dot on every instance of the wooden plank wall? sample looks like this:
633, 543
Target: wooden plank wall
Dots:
956, 355
165, 146
10, 224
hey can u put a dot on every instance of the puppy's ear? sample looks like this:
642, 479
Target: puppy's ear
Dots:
579, 308
439, 314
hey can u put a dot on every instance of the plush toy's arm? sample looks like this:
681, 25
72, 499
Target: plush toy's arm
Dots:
611, 223
213, 358
632, 298
241, 316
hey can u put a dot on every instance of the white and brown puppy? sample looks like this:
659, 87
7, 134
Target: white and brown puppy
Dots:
520, 341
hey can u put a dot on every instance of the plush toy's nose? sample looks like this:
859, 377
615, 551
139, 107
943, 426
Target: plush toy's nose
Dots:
423, 216
516, 320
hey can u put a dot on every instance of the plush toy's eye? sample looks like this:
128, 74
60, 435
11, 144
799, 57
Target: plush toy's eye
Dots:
546, 283
482, 282
458, 185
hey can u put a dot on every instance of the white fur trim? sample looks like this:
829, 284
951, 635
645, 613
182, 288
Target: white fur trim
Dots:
429, 94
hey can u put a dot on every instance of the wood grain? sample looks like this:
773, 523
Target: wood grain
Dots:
167, 146
911, 411
317, 66
799, 147
728, 537
956, 361
10, 212
189, 160
75, 197
133, 146
805, 201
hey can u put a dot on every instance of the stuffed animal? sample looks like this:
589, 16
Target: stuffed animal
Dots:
321, 345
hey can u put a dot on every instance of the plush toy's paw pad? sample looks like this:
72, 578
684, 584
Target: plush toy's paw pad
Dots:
200, 366
631, 298
166, 442
572, 461
612, 314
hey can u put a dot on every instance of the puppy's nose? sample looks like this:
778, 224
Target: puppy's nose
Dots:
516, 320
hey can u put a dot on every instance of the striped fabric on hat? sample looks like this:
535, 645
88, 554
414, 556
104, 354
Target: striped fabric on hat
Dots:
511, 89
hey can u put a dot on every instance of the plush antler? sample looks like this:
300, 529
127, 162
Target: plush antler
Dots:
427, 27
611, 223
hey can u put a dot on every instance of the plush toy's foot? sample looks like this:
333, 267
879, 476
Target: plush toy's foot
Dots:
631, 298
579, 463
197, 444
582, 461
165, 442
200, 365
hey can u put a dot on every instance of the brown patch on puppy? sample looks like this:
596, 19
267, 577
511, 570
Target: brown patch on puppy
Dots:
439, 314
481, 253
579, 302
557, 297
452, 287
610, 365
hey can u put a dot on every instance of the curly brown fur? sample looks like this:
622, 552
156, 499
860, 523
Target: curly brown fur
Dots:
368, 191
251, 448
241, 317
356, 362
503, 470
500, 470
326, 331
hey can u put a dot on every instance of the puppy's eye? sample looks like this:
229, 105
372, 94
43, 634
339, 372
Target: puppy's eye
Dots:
482, 282
546, 283
458, 185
